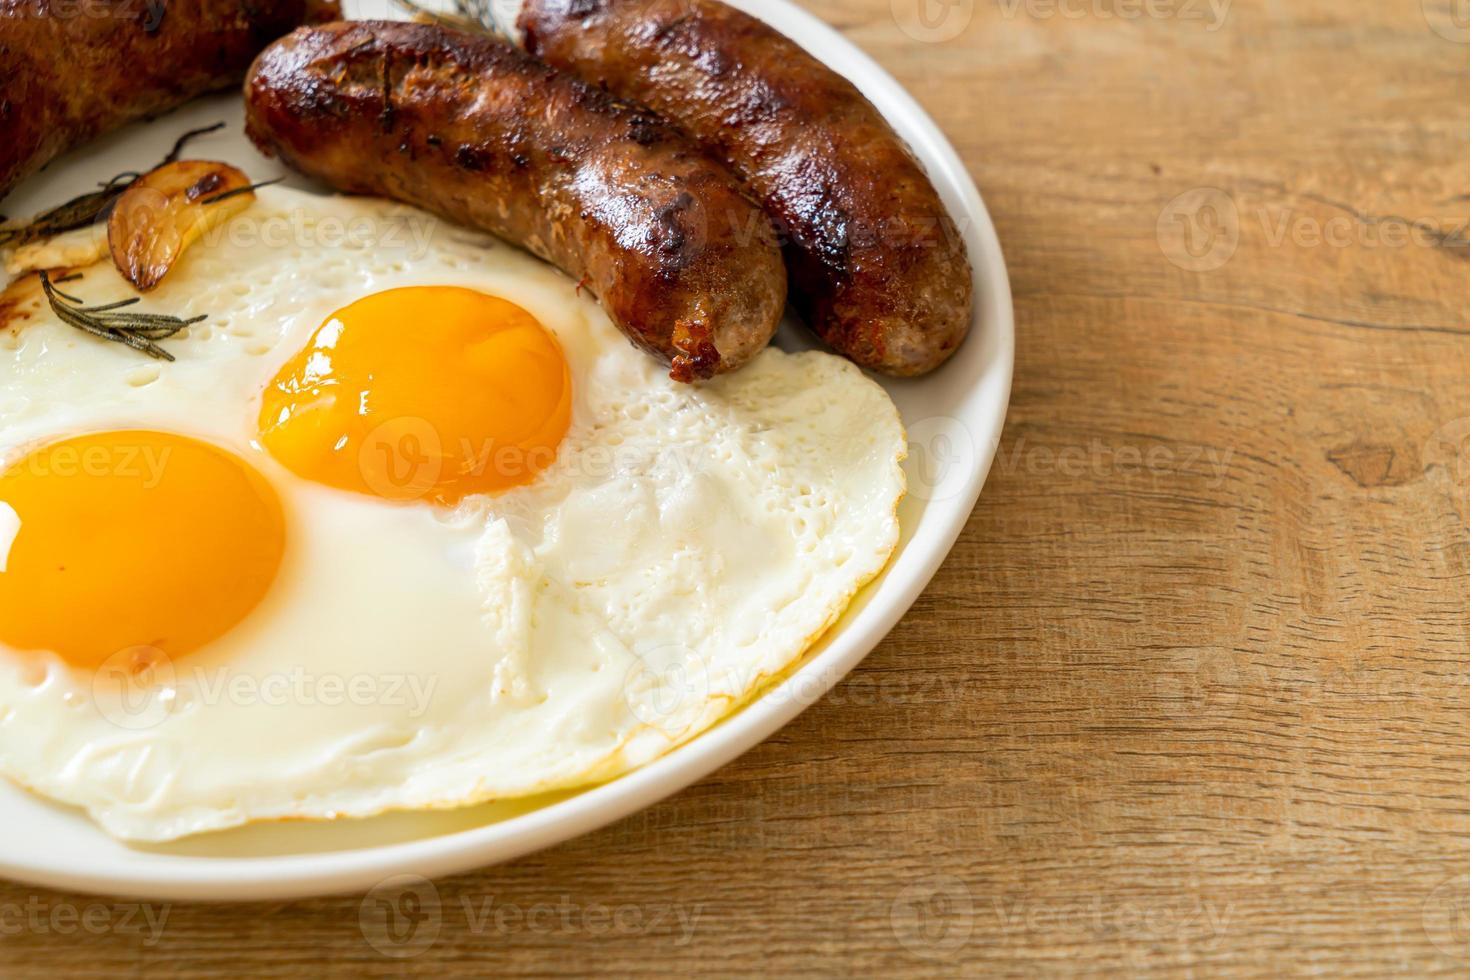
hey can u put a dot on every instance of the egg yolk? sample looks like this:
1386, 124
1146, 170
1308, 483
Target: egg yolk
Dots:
430, 392
125, 539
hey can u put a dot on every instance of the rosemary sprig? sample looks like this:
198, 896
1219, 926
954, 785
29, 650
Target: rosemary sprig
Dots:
183, 141
136, 330
482, 12
91, 207
236, 192
79, 212
472, 15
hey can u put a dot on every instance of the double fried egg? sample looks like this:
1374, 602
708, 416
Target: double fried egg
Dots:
407, 524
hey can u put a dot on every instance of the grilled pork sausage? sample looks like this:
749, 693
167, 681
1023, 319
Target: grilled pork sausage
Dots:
876, 265
474, 129
70, 71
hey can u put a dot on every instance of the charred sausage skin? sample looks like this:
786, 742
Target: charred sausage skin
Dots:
472, 128
877, 267
70, 71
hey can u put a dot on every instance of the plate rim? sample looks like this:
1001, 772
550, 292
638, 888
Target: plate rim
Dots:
280, 877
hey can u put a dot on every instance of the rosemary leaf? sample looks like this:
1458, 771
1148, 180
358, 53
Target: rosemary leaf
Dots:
224, 195
182, 141
135, 330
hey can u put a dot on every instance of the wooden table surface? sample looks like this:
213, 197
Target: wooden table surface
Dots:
1192, 694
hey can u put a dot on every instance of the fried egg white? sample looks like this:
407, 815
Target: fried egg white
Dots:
286, 576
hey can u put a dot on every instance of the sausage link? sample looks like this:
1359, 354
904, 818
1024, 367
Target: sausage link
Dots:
472, 128
71, 70
877, 267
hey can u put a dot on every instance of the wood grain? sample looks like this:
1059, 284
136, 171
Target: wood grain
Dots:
1192, 694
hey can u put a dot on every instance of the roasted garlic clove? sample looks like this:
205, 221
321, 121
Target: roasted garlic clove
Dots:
166, 210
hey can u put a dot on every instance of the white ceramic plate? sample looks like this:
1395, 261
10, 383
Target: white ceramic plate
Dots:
954, 421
